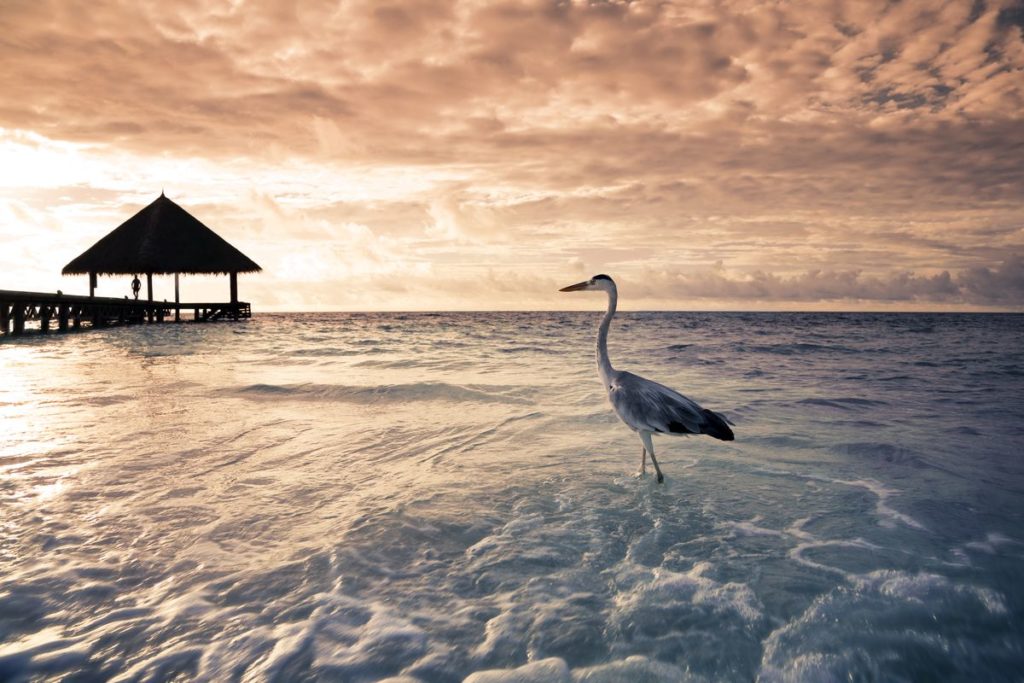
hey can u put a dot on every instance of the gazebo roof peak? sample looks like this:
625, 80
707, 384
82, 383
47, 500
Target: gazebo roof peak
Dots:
162, 238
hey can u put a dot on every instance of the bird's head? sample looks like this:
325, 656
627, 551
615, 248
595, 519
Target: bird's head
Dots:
600, 283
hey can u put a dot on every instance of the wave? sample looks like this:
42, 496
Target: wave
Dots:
793, 349
841, 403
528, 349
319, 352
556, 670
783, 441
860, 612
384, 393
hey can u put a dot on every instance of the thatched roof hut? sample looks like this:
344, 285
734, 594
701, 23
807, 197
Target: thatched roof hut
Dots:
162, 238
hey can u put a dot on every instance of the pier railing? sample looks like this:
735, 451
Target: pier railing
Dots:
71, 312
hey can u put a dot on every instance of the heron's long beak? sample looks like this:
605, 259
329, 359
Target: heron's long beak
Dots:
576, 287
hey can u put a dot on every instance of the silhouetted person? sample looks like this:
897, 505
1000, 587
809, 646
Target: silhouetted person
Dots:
136, 286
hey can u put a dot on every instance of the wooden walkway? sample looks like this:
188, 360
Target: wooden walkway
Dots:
71, 312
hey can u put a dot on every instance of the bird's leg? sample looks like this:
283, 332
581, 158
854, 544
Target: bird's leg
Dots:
643, 462
649, 448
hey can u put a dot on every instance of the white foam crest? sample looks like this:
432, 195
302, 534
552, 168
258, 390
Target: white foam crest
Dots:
341, 634
44, 651
162, 666
51, 648
991, 544
924, 586
806, 541
387, 638
635, 669
803, 649
750, 528
119, 616
529, 536
889, 515
816, 666
502, 632
246, 649
550, 670
796, 529
228, 657
664, 587
647, 544
796, 553
289, 641
882, 507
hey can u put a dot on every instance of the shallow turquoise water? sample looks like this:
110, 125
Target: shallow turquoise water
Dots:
436, 496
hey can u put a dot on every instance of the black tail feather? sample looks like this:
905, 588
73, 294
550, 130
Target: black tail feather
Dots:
717, 426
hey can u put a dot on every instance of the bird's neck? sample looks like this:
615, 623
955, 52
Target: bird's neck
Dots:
604, 365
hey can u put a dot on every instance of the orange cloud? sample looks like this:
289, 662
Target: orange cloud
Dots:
474, 138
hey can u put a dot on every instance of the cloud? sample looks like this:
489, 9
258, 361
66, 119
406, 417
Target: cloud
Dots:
713, 288
1002, 285
813, 148
973, 286
812, 285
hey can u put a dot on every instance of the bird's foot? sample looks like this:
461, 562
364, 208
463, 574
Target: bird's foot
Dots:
640, 474
661, 478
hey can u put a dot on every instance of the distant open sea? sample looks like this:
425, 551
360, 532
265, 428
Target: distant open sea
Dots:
431, 497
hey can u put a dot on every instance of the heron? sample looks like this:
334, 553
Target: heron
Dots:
645, 406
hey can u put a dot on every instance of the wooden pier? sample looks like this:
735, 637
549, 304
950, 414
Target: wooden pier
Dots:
161, 239
71, 312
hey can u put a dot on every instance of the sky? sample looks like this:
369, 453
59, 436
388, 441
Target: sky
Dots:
474, 155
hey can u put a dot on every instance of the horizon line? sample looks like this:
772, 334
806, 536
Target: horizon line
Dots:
649, 310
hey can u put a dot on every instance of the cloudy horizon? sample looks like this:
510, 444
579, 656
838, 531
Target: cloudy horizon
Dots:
429, 155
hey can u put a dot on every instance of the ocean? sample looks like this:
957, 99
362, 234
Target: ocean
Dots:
436, 497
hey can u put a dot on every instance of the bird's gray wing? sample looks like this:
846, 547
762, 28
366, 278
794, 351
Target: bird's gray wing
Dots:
649, 406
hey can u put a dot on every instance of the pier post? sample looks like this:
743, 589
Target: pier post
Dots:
234, 287
149, 295
62, 318
44, 317
76, 319
5, 318
92, 284
19, 318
